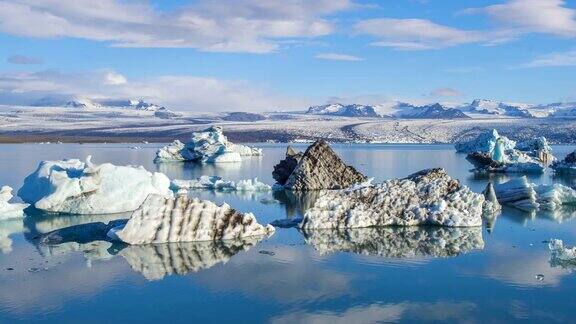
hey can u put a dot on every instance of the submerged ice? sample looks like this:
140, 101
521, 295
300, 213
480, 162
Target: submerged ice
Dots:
207, 146
181, 219
76, 187
428, 197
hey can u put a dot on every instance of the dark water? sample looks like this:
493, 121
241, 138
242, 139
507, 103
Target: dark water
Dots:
498, 273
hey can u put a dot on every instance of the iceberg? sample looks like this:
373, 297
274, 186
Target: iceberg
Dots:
218, 184
181, 219
495, 153
568, 165
561, 255
428, 197
10, 210
528, 196
397, 242
319, 167
207, 146
76, 187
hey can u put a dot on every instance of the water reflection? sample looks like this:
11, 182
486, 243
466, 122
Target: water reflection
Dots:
153, 261
8, 228
296, 203
397, 242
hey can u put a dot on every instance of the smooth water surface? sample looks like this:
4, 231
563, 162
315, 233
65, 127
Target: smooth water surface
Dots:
498, 273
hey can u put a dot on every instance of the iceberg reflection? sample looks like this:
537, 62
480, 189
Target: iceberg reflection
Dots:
153, 261
397, 242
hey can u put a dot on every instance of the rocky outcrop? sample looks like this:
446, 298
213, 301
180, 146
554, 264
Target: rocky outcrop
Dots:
318, 168
428, 197
182, 219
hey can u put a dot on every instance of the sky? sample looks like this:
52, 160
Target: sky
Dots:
263, 55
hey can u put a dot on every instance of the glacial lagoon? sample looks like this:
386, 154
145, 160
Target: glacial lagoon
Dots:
498, 273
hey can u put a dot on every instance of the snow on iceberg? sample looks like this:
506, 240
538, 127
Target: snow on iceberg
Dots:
428, 197
494, 153
528, 196
9, 210
76, 187
181, 219
397, 242
218, 184
561, 255
207, 146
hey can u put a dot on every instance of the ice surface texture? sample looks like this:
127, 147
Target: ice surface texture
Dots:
561, 255
318, 168
207, 146
218, 184
76, 187
9, 210
528, 196
181, 219
428, 197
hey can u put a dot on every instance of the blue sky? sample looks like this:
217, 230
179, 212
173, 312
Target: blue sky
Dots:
262, 55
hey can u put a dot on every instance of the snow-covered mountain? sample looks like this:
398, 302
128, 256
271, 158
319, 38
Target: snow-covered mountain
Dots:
492, 107
389, 110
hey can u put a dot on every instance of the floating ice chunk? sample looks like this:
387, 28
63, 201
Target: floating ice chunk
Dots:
485, 143
494, 153
181, 219
76, 187
397, 242
518, 193
10, 210
318, 168
568, 165
528, 196
217, 184
208, 146
429, 197
561, 255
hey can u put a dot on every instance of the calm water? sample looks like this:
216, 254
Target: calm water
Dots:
490, 274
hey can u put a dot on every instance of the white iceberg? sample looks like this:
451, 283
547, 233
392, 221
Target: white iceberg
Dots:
495, 153
76, 187
485, 142
207, 146
429, 197
561, 255
218, 184
10, 210
181, 219
528, 196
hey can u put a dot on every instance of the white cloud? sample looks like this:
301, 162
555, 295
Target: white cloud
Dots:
553, 59
533, 16
191, 93
416, 34
338, 57
224, 26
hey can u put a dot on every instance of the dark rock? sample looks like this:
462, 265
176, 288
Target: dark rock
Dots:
284, 169
321, 168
